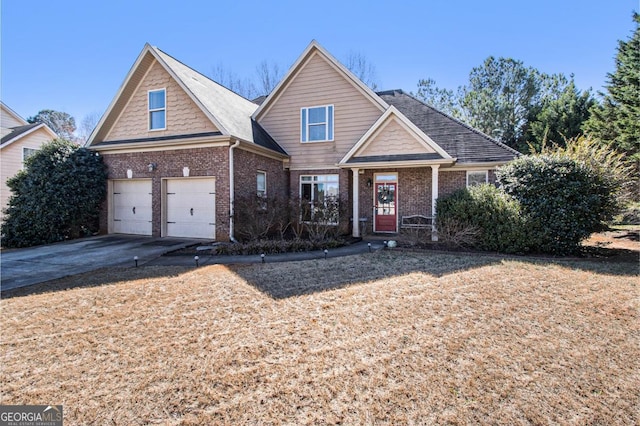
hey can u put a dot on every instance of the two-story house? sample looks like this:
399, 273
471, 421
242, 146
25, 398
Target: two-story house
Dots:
180, 148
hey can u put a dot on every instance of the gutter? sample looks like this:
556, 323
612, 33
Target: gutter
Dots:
232, 191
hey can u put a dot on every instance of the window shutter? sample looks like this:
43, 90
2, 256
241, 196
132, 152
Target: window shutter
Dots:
330, 122
303, 126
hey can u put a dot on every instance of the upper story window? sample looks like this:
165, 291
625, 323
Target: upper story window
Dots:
316, 124
26, 153
477, 177
157, 110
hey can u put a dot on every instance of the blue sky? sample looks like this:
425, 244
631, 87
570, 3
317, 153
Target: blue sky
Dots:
72, 55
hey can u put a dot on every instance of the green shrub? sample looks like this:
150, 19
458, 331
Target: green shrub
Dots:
57, 196
483, 217
564, 200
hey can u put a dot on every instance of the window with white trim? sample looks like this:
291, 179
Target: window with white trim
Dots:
319, 199
316, 124
157, 109
26, 153
261, 184
477, 177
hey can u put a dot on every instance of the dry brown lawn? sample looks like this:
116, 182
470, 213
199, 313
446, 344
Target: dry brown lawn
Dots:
383, 338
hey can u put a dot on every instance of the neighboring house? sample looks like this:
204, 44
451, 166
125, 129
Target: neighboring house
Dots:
181, 149
19, 140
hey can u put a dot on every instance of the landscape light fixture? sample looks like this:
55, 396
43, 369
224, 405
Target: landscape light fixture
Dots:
325, 253
369, 245
262, 257
135, 259
197, 259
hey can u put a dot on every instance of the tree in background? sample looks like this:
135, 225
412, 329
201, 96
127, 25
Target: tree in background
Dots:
560, 115
358, 64
514, 104
57, 196
616, 121
88, 123
441, 99
269, 75
498, 99
61, 123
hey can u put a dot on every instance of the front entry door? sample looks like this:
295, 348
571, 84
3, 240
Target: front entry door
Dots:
386, 218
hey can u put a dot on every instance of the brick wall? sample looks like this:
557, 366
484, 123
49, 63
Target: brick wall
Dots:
212, 162
246, 164
448, 182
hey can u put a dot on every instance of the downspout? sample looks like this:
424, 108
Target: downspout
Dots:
232, 191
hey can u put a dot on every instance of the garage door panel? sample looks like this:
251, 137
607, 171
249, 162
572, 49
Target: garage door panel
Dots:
190, 208
132, 211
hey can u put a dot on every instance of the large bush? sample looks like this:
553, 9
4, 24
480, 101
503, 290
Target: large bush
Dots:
483, 217
564, 200
57, 196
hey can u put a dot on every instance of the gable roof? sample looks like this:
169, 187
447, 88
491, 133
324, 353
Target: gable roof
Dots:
227, 110
6, 110
431, 150
312, 49
20, 132
459, 140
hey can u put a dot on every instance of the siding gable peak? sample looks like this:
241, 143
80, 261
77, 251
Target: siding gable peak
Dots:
227, 111
315, 49
394, 125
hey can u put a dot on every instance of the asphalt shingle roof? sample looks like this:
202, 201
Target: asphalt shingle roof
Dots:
17, 131
459, 140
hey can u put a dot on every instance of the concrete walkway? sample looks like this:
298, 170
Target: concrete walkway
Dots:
33, 265
207, 259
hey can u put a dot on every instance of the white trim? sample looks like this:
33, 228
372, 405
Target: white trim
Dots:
375, 201
314, 181
312, 49
397, 164
486, 175
14, 114
151, 110
261, 172
434, 199
28, 132
355, 210
479, 166
27, 147
306, 126
380, 125
130, 147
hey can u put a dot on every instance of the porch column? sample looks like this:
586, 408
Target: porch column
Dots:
434, 198
356, 210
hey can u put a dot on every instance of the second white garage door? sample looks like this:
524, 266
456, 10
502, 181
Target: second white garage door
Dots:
190, 208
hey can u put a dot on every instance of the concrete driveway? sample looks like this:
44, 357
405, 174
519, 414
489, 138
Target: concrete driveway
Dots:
27, 266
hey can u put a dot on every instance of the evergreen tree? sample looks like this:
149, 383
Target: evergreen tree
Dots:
616, 121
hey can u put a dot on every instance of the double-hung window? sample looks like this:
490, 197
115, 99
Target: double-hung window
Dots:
319, 199
26, 153
477, 177
261, 184
157, 109
316, 124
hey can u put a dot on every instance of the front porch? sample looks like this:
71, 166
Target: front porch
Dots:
387, 200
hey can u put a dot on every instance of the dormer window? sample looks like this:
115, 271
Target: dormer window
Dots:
157, 110
316, 124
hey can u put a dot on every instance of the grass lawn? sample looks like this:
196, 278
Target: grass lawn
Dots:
393, 337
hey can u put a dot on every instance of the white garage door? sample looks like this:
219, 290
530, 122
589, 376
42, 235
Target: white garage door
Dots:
191, 208
131, 207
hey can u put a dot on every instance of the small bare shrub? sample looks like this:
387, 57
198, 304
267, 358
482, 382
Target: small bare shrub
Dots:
455, 233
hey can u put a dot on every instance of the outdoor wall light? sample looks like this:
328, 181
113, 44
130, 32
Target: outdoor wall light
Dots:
152, 166
369, 183
129, 173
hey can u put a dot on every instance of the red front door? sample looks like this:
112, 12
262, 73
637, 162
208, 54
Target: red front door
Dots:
386, 218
